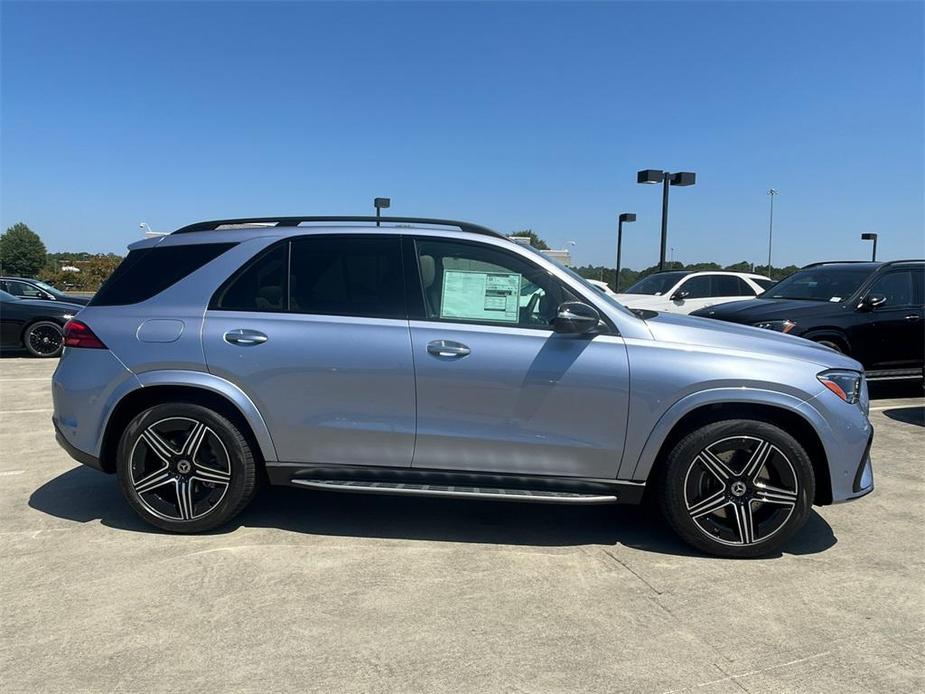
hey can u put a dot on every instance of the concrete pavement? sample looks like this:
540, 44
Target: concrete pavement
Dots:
309, 591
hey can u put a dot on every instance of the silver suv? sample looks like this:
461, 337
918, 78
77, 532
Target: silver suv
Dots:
437, 358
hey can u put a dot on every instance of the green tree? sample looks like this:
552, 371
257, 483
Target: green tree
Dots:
22, 252
535, 240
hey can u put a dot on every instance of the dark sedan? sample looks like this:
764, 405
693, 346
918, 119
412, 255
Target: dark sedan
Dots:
870, 311
34, 325
27, 288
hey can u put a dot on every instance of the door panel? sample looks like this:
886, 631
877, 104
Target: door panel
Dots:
891, 335
332, 389
520, 401
314, 331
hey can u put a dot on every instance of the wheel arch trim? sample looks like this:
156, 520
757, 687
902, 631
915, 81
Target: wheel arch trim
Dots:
198, 380
726, 396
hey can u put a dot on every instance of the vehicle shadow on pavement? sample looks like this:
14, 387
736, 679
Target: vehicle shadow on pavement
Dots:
907, 415
83, 495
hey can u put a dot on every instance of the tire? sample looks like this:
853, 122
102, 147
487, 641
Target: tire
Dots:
831, 345
43, 339
737, 488
185, 468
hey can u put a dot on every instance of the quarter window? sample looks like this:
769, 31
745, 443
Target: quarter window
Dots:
474, 283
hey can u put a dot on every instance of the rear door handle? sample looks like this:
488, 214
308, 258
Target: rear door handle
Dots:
912, 316
447, 348
244, 337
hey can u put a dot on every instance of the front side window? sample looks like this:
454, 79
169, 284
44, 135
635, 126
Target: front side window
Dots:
25, 290
765, 284
897, 287
467, 282
696, 287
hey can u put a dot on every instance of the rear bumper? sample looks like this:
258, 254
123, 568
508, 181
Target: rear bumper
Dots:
77, 454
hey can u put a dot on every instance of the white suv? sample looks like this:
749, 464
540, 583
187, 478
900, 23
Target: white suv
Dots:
685, 291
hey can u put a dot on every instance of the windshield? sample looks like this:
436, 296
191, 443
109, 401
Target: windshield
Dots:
47, 287
819, 284
657, 284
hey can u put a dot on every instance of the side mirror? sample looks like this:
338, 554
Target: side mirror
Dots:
679, 295
576, 318
872, 301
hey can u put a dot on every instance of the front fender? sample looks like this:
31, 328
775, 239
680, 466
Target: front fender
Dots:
642, 466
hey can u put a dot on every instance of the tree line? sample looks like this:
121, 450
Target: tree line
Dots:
23, 254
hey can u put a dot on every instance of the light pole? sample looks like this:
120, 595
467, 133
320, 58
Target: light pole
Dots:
381, 203
666, 178
772, 193
624, 217
871, 237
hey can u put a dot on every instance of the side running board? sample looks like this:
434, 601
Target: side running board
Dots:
439, 490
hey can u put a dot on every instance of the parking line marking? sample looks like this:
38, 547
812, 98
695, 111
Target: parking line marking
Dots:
896, 407
25, 411
14, 380
11, 472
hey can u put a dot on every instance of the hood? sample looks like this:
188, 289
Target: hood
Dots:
673, 327
641, 300
62, 306
754, 310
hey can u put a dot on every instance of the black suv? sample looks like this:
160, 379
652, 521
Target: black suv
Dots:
870, 311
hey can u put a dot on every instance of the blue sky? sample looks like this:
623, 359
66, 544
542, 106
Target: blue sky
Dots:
513, 115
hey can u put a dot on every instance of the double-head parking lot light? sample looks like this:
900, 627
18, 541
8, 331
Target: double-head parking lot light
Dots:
666, 178
871, 237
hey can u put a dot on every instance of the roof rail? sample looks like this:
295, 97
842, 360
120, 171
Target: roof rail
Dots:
295, 221
866, 262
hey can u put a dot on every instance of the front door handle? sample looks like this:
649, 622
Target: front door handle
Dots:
447, 348
912, 316
244, 337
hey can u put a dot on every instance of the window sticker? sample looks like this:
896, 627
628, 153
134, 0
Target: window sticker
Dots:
489, 296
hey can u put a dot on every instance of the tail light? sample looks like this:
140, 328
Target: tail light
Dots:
78, 334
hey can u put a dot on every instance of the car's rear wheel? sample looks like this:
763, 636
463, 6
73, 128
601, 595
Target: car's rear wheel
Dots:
737, 488
185, 468
44, 339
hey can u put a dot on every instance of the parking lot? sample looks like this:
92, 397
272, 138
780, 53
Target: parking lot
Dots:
323, 592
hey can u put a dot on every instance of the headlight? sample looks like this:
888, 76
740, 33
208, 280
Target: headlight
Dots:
845, 384
781, 326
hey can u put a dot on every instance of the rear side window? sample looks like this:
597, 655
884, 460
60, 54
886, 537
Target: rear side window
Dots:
146, 272
347, 276
260, 286
327, 275
730, 285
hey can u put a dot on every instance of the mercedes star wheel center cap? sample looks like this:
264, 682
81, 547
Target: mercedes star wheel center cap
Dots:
183, 467
738, 488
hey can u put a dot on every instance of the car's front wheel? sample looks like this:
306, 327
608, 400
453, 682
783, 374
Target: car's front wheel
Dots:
185, 468
737, 488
